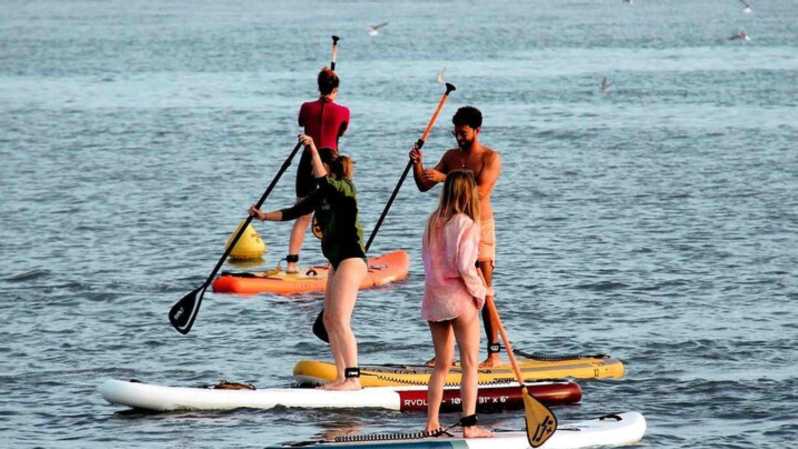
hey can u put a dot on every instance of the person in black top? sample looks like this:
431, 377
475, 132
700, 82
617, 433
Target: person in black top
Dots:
335, 204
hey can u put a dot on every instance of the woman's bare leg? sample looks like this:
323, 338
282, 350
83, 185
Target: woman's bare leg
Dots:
297, 238
466, 331
338, 316
443, 341
334, 345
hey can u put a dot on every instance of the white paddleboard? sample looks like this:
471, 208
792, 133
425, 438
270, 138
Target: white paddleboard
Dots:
493, 397
611, 430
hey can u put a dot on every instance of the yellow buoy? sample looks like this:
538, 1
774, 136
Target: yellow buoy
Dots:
249, 246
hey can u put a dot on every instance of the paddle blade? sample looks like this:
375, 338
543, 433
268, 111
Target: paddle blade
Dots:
540, 421
318, 328
184, 312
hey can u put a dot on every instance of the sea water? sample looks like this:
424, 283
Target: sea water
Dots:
656, 221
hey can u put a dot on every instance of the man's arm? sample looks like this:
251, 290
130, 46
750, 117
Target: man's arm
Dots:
490, 174
426, 178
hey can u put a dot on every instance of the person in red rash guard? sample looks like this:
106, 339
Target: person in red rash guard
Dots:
325, 121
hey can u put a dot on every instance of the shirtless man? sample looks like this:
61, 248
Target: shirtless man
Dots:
485, 162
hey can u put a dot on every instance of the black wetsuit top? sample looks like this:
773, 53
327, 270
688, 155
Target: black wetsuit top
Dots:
335, 204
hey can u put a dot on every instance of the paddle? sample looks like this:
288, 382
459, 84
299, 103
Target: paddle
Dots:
335, 40
318, 325
419, 143
540, 420
184, 312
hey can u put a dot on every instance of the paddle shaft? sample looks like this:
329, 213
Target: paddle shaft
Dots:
335, 40
263, 197
509, 349
419, 144
184, 311
390, 200
318, 326
540, 435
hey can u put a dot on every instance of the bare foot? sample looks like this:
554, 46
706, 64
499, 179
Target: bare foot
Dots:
329, 385
332, 434
292, 268
350, 384
432, 427
476, 432
431, 363
492, 361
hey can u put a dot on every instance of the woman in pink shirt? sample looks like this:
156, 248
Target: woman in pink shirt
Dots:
454, 293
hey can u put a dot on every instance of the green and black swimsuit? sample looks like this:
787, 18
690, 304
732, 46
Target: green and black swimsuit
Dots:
335, 205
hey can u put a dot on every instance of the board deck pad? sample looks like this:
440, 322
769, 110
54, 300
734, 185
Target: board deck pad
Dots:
578, 367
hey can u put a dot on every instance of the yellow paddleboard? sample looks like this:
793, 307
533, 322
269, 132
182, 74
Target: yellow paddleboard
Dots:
550, 367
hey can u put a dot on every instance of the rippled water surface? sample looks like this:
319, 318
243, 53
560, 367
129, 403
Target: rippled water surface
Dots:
657, 223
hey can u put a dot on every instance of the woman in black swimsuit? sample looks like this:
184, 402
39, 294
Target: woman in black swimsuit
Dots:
335, 204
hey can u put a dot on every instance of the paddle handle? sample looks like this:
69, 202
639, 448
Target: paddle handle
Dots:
420, 143
449, 88
335, 40
243, 227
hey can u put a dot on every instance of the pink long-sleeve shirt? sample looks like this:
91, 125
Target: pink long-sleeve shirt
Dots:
452, 283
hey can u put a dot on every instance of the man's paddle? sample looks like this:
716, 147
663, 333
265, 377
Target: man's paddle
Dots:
335, 40
318, 325
419, 143
184, 312
540, 420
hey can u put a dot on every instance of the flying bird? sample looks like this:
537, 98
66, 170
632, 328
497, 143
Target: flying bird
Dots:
375, 29
747, 5
605, 86
440, 75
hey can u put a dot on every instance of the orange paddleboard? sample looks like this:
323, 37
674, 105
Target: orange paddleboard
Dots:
390, 267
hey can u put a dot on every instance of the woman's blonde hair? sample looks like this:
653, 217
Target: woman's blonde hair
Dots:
459, 196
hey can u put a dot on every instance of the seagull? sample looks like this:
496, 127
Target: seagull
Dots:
440, 75
742, 35
628, 1
747, 5
605, 86
374, 29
